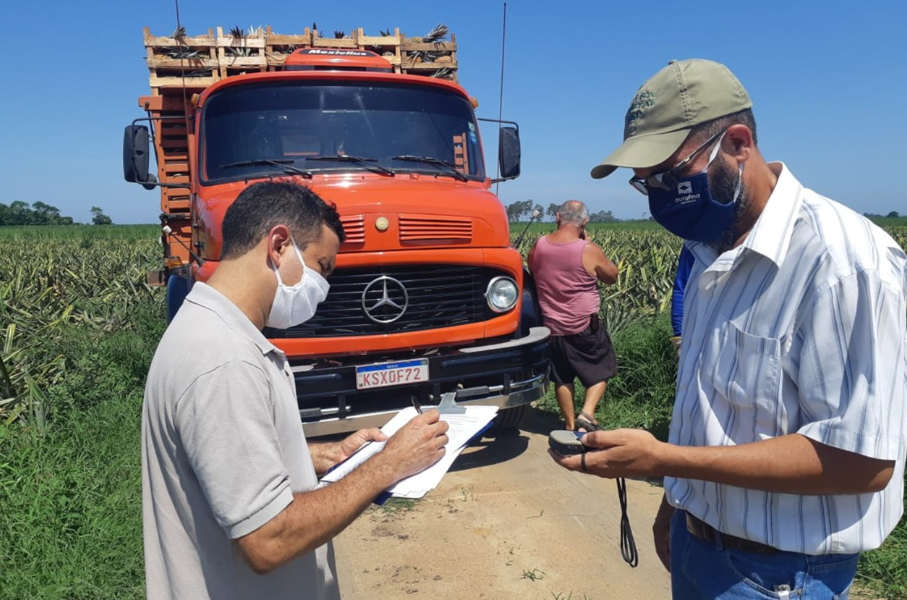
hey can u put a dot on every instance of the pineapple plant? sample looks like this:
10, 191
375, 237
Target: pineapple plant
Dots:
237, 47
435, 36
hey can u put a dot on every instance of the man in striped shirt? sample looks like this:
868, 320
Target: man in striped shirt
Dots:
785, 457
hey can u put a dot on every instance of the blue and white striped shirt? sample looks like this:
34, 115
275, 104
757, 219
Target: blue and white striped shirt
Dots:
800, 329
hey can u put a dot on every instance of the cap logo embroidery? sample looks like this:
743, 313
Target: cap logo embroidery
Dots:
641, 101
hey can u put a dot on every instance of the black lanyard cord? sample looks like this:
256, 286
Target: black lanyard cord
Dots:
627, 543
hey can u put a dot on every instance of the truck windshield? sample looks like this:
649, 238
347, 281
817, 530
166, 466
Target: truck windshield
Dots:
328, 126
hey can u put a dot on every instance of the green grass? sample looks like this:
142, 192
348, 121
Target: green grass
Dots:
890, 222
537, 229
70, 485
71, 497
642, 393
70, 492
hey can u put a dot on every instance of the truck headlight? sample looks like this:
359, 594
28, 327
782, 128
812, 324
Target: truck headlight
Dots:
502, 294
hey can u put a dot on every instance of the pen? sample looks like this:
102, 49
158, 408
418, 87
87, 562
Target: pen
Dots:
416, 405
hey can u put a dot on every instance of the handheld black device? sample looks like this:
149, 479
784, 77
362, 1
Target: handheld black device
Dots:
567, 443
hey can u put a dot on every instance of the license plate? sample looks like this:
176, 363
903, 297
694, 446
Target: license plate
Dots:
393, 373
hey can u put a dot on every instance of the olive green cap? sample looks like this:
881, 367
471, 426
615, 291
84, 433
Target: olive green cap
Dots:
667, 106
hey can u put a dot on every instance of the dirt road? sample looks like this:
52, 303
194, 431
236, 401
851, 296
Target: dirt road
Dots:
506, 522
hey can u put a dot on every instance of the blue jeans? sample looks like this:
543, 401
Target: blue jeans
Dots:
702, 570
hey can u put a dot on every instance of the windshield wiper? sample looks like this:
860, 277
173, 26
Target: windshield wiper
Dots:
359, 160
447, 167
282, 164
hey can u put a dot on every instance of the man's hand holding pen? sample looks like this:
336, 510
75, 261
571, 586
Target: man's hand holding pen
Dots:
418, 445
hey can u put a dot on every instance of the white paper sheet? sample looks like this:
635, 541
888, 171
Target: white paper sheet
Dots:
463, 427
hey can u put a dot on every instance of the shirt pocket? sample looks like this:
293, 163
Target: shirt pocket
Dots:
747, 377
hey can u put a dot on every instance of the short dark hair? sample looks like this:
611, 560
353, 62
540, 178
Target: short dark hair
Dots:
704, 131
266, 204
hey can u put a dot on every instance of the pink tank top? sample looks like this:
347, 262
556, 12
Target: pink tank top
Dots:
567, 293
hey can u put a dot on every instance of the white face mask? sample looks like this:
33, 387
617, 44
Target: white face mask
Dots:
294, 305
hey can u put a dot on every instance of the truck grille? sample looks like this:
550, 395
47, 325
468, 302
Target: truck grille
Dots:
397, 299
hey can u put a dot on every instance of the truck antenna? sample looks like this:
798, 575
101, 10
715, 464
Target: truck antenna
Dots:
501, 99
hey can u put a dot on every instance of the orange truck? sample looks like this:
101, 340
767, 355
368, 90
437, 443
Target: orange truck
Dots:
428, 296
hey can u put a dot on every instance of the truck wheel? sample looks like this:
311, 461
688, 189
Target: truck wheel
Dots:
508, 419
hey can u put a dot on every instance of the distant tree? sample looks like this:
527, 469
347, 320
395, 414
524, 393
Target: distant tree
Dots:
525, 209
552, 210
39, 213
99, 218
20, 214
602, 216
46, 214
518, 210
893, 215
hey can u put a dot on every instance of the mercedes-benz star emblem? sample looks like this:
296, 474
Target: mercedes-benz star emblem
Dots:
384, 300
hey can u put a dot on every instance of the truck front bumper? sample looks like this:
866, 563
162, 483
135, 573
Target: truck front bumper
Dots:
507, 374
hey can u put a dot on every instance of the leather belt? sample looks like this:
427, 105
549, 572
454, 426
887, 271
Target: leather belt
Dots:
707, 533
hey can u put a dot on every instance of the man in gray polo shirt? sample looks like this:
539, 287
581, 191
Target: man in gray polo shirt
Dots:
229, 505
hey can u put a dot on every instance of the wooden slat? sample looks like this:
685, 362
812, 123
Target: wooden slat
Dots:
171, 143
188, 42
177, 205
170, 102
267, 55
334, 43
429, 46
427, 66
243, 61
162, 82
289, 40
231, 42
373, 40
186, 64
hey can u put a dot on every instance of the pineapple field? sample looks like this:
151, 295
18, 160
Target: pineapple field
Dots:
78, 328
91, 279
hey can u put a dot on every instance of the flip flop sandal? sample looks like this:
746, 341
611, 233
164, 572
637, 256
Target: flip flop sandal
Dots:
584, 421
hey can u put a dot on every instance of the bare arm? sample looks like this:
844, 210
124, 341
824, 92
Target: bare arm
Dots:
790, 464
531, 256
327, 454
324, 455
599, 265
315, 517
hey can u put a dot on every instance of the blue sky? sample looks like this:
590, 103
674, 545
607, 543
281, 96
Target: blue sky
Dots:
828, 82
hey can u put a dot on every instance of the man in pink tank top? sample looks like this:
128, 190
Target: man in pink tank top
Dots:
567, 270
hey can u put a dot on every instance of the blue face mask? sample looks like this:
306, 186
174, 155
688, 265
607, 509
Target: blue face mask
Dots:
686, 208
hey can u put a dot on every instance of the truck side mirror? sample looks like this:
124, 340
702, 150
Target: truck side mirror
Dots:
136, 156
509, 153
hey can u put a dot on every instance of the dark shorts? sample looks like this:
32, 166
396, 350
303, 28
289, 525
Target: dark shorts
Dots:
588, 355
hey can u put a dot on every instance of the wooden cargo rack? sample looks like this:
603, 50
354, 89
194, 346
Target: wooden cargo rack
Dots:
197, 62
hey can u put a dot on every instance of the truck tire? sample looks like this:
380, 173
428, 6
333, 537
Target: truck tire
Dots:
508, 419
177, 290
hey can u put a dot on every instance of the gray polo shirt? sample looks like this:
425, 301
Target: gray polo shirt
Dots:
222, 454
